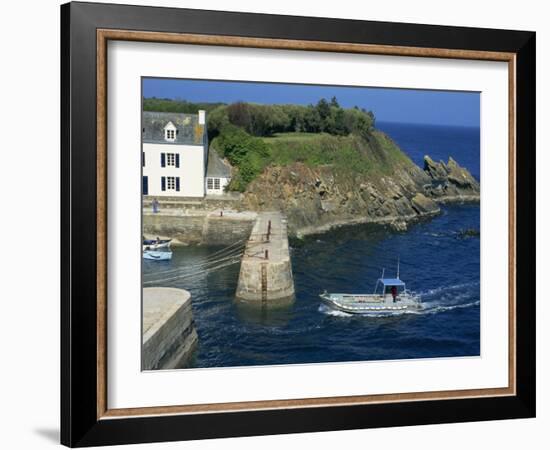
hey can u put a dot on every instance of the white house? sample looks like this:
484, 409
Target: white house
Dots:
218, 174
175, 158
174, 154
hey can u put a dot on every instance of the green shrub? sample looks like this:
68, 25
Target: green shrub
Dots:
247, 153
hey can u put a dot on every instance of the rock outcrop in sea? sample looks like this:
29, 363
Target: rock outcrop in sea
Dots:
318, 198
450, 182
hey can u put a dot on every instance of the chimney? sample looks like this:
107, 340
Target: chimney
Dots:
202, 117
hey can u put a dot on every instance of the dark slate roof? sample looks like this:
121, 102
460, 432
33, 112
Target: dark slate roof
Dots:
186, 126
217, 167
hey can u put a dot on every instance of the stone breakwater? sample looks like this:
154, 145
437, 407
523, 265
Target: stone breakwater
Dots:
265, 276
169, 335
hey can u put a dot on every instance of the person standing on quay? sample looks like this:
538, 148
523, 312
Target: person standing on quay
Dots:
155, 206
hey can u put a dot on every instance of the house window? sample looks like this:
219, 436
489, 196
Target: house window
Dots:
171, 183
170, 159
213, 184
170, 134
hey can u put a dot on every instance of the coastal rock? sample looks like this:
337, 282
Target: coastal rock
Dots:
423, 205
318, 197
436, 170
404, 207
467, 233
399, 225
461, 177
386, 209
448, 182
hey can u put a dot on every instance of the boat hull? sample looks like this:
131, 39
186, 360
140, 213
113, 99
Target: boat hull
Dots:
157, 256
361, 304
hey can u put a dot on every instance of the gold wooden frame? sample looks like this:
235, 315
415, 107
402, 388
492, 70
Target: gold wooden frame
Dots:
104, 35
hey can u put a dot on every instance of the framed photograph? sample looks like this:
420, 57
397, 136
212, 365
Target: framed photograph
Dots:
276, 224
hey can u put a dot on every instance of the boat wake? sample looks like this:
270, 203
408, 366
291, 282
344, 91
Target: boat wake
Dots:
449, 289
434, 301
432, 309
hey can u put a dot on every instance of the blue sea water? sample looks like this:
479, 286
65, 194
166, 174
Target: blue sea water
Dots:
436, 262
437, 141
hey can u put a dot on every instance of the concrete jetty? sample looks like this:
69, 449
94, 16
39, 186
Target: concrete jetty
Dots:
266, 272
169, 335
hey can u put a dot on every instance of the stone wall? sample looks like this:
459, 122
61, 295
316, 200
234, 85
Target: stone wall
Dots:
199, 228
169, 335
226, 230
185, 229
226, 201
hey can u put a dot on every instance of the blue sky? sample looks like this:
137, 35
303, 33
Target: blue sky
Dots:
388, 105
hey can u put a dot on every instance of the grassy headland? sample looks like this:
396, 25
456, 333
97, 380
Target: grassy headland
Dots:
323, 165
253, 137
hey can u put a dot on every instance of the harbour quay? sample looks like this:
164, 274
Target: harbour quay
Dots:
199, 225
168, 329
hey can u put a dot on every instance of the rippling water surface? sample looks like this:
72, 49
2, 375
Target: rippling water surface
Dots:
435, 261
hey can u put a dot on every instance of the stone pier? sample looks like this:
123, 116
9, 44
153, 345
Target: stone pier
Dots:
266, 272
169, 335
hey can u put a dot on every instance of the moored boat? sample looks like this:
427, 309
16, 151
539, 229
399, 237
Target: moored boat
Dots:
154, 244
155, 255
393, 297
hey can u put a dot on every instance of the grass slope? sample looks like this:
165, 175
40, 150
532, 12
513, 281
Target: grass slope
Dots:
349, 153
374, 156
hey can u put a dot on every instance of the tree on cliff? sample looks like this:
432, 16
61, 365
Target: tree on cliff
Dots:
266, 120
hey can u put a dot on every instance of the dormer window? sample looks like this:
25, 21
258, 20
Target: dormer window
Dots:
170, 132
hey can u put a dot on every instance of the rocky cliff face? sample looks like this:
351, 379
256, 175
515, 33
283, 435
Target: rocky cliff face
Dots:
450, 182
318, 198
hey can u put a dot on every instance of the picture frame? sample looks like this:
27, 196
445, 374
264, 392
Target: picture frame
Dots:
86, 418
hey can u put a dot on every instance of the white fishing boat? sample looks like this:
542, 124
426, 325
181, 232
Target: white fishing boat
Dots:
155, 255
155, 244
392, 297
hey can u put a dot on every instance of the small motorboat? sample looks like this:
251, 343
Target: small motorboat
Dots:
154, 255
393, 297
155, 244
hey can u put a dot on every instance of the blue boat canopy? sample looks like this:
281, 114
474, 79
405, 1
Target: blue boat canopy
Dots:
391, 282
